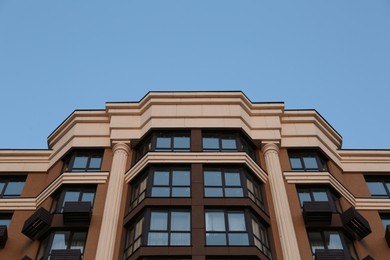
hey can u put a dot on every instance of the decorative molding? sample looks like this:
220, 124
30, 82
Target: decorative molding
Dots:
327, 178
65, 178
193, 157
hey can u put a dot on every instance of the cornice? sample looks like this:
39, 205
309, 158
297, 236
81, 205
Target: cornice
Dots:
24, 160
187, 158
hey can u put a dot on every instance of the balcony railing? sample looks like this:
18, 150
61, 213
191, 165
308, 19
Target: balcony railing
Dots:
65, 254
330, 254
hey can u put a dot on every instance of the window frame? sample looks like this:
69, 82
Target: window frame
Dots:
332, 197
171, 136
69, 160
345, 242
383, 180
11, 179
46, 245
320, 159
59, 197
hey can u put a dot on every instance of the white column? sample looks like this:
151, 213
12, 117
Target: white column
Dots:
108, 230
284, 221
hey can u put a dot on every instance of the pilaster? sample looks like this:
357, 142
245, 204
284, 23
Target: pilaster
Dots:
284, 221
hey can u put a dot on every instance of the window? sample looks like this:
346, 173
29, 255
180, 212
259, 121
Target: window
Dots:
231, 182
308, 194
5, 219
331, 240
307, 162
83, 161
227, 142
379, 186
260, 237
62, 240
171, 183
226, 228
222, 183
73, 194
161, 182
385, 217
133, 237
11, 186
172, 142
169, 228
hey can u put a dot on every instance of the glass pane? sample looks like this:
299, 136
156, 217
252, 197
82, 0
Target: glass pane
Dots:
163, 142
310, 162
5, 222
320, 196
215, 221
315, 241
60, 240
295, 163
232, 179
180, 178
238, 239
78, 241
157, 239
14, 188
180, 239
181, 192
95, 162
215, 239
80, 161
159, 221
161, 178
304, 196
210, 143
386, 221
88, 196
255, 227
212, 178
181, 142
138, 228
180, 221
236, 221
2, 184
234, 192
71, 196
377, 188
160, 192
229, 143
333, 240
213, 192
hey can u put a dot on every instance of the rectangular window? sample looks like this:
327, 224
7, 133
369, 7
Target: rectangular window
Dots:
222, 183
62, 240
260, 237
138, 192
73, 194
11, 186
379, 186
331, 240
83, 161
133, 238
226, 228
307, 162
310, 194
172, 142
219, 142
173, 182
169, 228
5, 219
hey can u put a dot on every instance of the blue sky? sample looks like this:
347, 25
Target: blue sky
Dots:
58, 56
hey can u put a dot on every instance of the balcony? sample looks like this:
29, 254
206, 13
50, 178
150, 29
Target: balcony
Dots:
3, 236
66, 254
355, 225
330, 254
77, 213
317, 212
38, 224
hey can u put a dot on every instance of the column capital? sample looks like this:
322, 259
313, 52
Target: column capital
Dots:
121, 146
269, 147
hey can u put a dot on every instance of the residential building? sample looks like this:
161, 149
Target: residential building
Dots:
195, 175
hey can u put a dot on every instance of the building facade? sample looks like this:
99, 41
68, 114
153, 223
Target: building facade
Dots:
194, 175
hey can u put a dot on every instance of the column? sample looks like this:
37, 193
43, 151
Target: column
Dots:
284, 221
108, 230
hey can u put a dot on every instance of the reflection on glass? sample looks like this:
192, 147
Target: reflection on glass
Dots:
229, 143
234, 192
210, 143
181, 142
320, 196
14, 188
213, 192
80, 161
212, 178
158, 239
310, 162
181, 192
215, 221
377, 188
180, 239
161, 178
295, 163
159, 220
215, 239
180, 177
163, 142
180, 221
238, 239
236, 221
232, 179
